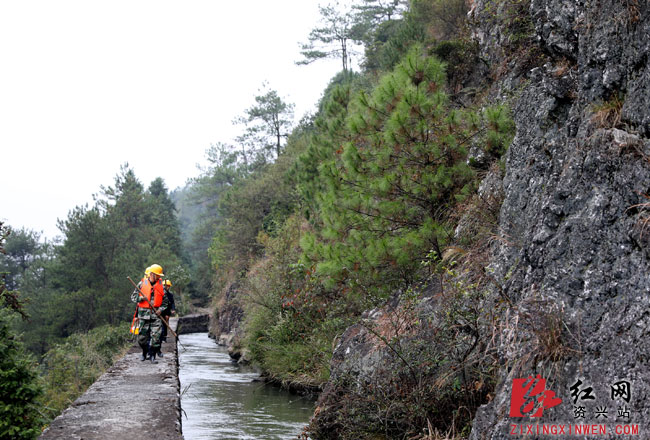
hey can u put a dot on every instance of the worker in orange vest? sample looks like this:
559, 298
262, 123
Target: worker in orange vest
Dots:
150, 326
168, 308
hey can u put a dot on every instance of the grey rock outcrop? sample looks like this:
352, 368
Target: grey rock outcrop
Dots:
227, 327
198, 322
576, 248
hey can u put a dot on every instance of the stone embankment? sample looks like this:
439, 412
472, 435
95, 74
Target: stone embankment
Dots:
195, 323
132, 400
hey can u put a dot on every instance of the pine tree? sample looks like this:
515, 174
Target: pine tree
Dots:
395, 172
334, 38
165, 224
268, 124
371, 14
329, 133
127, 230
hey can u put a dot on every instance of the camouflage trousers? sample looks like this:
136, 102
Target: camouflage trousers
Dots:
149, 331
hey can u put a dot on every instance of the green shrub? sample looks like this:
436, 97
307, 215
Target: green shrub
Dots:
69, 368
290, 322
19, 388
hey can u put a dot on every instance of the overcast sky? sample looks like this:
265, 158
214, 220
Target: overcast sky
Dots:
86, 85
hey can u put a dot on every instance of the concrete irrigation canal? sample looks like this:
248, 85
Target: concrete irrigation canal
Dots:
221, 399
224, 400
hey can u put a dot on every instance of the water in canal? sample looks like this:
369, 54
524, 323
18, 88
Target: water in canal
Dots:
224, 400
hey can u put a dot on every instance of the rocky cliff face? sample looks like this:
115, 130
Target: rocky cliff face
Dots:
400, 369
226, 329
575, 246
571, 256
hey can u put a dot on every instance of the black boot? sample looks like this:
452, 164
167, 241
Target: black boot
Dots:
152, 357
144, 354
160, 355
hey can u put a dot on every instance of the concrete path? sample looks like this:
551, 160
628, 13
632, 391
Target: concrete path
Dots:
132, 400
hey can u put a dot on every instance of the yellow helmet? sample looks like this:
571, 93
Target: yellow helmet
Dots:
157, 269
167, 283
146, 271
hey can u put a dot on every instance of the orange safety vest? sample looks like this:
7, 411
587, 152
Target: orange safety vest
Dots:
158, 293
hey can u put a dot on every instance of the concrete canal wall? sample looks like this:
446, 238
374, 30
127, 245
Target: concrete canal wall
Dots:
193, 323
132, 400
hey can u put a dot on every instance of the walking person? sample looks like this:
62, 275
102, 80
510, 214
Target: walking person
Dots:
150, 326
167, 309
